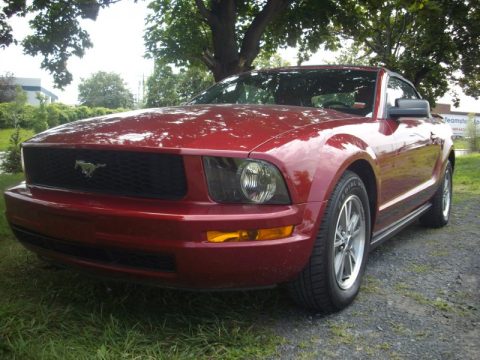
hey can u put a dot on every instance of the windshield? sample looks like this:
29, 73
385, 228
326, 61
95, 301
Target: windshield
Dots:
350, 91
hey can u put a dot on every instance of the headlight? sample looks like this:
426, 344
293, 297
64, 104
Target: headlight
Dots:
232, 180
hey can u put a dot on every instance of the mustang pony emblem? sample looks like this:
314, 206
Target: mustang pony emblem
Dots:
87, 168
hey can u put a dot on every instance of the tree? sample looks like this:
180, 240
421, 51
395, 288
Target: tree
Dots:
223, 35
431, 42
106, 90
166, 88
7, 88
57, 31
352, 54
41, 115
226, 36
264, 61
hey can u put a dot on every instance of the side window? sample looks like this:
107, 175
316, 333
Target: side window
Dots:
398, 89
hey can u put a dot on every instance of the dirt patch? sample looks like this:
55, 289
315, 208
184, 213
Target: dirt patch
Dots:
420, 299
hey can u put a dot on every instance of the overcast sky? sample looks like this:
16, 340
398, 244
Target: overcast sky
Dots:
117, 38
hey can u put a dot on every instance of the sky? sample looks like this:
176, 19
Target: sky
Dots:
117, 37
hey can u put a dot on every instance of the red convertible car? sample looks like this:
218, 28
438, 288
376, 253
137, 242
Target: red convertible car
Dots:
284, 176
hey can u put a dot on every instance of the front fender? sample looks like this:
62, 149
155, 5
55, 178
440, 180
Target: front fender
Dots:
313, 162
338, 153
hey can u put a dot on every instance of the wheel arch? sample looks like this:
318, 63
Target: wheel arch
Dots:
365, 172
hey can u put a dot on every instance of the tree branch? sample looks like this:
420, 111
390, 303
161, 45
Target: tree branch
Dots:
251, 40
206, 14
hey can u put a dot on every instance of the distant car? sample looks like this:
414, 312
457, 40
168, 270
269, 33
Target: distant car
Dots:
285, 176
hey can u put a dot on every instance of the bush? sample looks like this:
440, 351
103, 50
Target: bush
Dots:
12, 162
46, 116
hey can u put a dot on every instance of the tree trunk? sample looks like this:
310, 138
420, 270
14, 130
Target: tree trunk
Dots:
228, 57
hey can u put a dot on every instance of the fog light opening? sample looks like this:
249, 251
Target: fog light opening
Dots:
250, 235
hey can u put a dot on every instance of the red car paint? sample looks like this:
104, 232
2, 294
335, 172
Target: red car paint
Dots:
311, 147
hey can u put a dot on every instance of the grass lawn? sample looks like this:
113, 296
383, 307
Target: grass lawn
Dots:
5, 136
60, 314
466, 177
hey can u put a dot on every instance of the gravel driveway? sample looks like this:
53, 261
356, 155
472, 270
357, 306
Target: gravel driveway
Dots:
420, 300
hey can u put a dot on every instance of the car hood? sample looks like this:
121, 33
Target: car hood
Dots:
206, 127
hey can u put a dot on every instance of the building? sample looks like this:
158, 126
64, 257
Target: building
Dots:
456, 119
32, 86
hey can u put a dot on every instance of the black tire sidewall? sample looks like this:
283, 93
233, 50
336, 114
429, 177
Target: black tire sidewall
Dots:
350, 184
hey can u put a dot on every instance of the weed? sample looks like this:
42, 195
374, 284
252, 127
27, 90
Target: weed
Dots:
420, 268
341, 333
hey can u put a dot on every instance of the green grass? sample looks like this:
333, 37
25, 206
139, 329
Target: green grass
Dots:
6, 133
466, 177
46, 313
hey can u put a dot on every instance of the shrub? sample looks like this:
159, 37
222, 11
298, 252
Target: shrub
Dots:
12, 161
46, 116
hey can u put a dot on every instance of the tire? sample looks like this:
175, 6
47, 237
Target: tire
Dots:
439, 214
328, 283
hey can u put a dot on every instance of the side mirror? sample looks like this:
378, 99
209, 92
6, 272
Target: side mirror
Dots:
409, 108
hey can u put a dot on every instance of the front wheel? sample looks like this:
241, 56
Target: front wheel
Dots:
331, 279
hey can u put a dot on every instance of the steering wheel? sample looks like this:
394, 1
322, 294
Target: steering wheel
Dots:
335, 103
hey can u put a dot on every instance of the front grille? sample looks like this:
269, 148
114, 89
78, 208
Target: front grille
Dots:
116, 257
129, 173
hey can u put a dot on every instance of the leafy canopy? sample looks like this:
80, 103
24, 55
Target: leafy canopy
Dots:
104, 89
166, 88
226, 36
431, 42
7, 87
57, 34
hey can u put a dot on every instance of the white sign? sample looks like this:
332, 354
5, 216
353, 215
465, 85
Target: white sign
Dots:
458, 123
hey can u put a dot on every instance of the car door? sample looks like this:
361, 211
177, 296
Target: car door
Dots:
416, 152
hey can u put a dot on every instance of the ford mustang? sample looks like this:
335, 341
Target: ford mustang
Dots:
285, 176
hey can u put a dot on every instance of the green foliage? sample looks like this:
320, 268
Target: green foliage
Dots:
7, 88
16, 112
57, 32
472, 133
352, 54
46, 115
165, 88
12, 161
5, 135
265, 61
41, 115
226, 36
430, 42
104, 89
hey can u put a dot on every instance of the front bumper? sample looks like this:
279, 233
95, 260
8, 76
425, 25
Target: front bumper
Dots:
162, 241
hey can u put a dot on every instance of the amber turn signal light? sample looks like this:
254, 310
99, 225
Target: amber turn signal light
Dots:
247, 235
